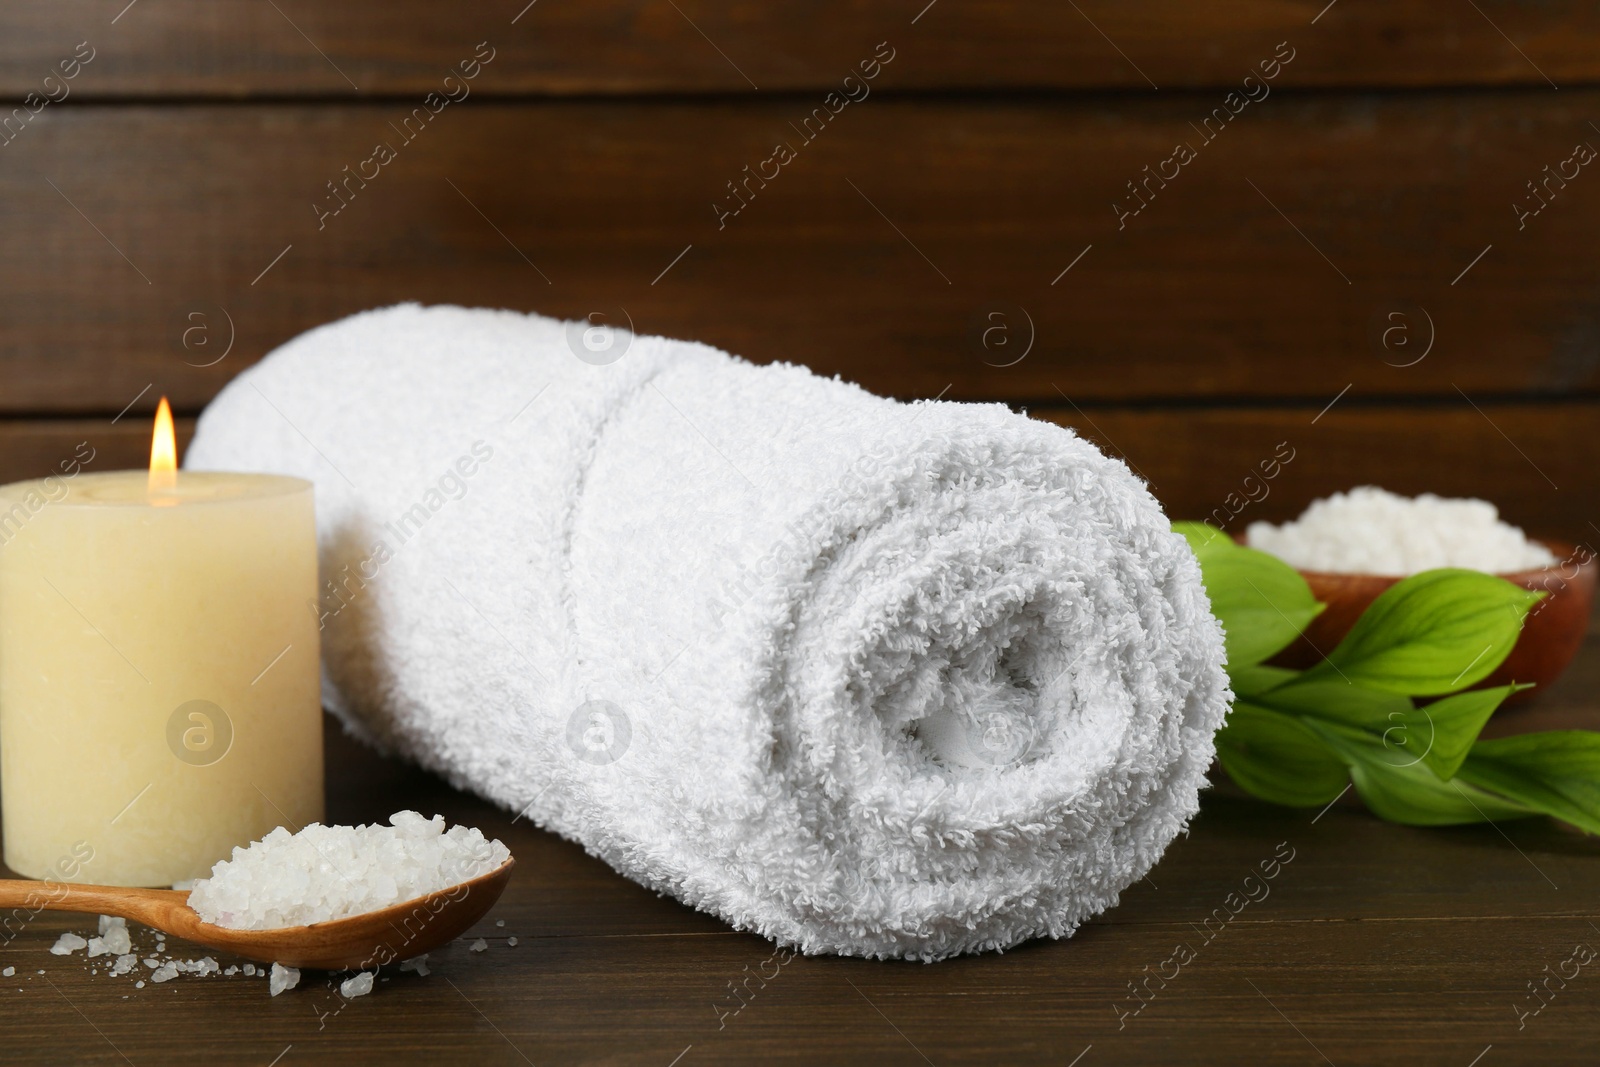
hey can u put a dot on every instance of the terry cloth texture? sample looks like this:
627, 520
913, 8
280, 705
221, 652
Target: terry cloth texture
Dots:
867, 677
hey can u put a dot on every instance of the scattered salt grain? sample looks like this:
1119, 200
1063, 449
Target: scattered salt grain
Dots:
139, 984
499, 922
1371, 531
125, 963
8, 972
249, 969
511, 942
418, 964
479, 945
165, 973
231, 971
67, 944
283, 978
114, 937
332, 872
359, 986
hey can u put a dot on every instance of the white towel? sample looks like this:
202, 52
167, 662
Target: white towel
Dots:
867, 677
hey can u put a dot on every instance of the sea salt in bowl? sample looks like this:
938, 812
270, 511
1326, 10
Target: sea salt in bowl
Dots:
1352, 546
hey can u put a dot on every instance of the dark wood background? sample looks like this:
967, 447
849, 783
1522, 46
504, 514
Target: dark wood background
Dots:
161, 215
141, 212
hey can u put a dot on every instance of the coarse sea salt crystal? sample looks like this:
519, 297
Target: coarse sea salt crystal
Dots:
8, 972
418, 964
283, 978
165, 973
67, 944
479, 945
1371, 531
139, 984
511, 942
125, 963
359, 986
332, 872
114, 937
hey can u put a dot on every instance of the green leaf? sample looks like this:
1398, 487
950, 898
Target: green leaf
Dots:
1263, 602
1253, 680
1447, 728
1401, 790
1415, 796
1435, 632
1337, 700
1203, 538
1557, 772
1275, 758
1440, 733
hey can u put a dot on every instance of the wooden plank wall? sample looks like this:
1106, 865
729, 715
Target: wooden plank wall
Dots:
1201, 234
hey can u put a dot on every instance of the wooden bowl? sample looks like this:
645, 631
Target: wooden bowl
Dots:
1551, 635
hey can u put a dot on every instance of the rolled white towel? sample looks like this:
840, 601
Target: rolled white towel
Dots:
866, 677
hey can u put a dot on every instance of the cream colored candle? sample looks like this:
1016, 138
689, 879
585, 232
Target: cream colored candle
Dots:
159, 689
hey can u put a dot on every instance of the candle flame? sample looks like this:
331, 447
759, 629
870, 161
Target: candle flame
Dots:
163, 452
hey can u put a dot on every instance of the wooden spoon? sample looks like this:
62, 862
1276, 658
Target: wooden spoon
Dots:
363, 941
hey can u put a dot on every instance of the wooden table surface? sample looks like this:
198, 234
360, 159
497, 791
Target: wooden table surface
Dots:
1373, 944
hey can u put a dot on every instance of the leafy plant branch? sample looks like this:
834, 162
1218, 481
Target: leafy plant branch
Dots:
1300, 738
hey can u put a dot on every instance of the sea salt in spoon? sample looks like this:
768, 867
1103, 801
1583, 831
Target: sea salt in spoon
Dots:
362, 941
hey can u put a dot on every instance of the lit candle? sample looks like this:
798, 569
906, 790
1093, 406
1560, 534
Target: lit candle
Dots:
159, 687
